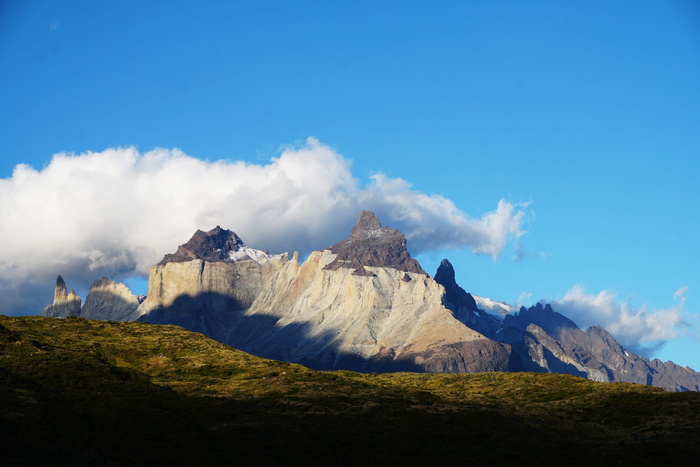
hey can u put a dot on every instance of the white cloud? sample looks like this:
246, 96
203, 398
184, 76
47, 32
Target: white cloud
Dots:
118, 211
642, 330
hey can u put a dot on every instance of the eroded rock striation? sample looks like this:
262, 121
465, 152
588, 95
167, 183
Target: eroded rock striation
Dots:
334, 319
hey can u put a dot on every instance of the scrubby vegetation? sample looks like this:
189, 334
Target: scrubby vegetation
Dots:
79, 392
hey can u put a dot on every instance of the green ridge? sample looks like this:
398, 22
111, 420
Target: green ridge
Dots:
81, 392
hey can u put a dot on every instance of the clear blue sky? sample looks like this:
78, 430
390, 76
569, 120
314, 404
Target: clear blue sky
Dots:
588, 111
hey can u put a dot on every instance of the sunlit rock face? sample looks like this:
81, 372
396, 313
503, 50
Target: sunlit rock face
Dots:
64, 303
332, 319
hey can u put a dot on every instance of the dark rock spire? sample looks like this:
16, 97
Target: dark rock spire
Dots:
454, 294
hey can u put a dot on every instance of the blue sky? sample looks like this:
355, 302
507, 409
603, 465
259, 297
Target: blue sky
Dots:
582, 117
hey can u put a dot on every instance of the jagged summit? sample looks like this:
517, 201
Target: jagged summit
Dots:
60, 292
454, 294
370, 244
368, 226
64, 303
217, 245
543, 316
214, 245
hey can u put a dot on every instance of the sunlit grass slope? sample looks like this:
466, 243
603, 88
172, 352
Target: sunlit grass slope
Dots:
79, 392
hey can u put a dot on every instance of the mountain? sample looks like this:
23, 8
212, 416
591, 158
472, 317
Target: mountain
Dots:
365, 305
96, 393
106, 300
64, 303
554, 343
371, 245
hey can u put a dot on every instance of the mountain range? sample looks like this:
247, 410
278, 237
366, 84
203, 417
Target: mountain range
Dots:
362, 304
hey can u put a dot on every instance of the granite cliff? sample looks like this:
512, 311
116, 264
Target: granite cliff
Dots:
64, 303
106, 300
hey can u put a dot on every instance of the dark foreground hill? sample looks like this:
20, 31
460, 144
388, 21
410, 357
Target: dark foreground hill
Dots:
81, 392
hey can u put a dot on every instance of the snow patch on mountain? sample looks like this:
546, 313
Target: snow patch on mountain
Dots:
497, 309
245, 252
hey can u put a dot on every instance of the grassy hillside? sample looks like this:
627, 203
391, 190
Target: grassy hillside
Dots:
79, 392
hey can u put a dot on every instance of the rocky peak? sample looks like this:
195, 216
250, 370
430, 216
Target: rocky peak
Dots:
368, 226
60, 292
454, 294
370, 244
64, 303
110, 300
544, 316
215, 245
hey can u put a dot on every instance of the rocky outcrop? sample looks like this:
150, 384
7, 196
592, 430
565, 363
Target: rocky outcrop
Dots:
64, 303
109, 300
371, 245
544, 316
454, 294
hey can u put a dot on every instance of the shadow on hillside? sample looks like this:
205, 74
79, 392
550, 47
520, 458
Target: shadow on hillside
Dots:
224, 319
108, 306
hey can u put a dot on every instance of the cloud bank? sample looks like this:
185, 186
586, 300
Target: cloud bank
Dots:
117, 212
641, 330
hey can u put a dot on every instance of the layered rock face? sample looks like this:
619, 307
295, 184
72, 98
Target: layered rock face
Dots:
333, 319
64, 303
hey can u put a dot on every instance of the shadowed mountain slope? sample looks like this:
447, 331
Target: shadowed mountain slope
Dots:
83, 392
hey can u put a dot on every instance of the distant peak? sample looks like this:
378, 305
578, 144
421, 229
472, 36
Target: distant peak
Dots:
367, 225
370, 244
215, 245
543, 316
60, 291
